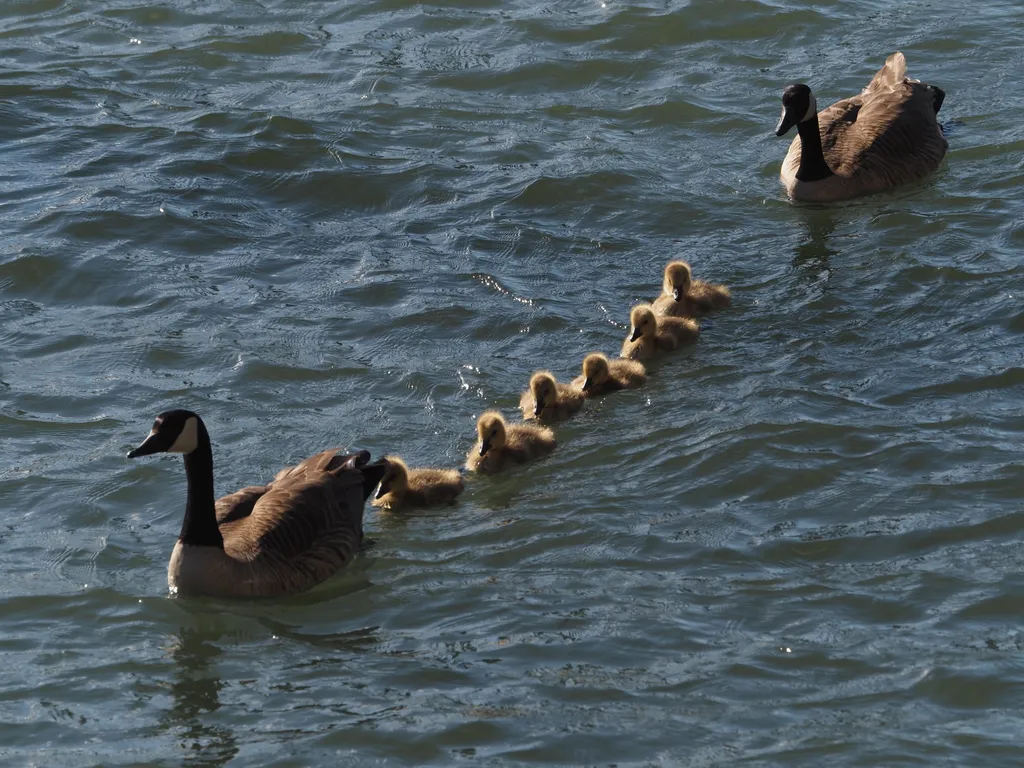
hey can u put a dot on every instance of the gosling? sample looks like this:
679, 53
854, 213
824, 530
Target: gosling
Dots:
682, 296
601, 375
548, 400
402, 487
500, 444
651, 334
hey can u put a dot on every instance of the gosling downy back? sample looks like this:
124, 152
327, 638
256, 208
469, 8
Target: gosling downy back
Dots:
882, 138
401, 487
684, 296
499, 444
269, 540
601, 375
548, 400
650, 334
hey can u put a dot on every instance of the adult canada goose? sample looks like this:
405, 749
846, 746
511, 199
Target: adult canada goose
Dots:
651, 334
265, 540
601, 375
885, 136
549, 400
403, 487
683, 296
500, 444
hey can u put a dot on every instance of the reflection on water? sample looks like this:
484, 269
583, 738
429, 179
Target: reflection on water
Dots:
358, 641
817, 247
195, 694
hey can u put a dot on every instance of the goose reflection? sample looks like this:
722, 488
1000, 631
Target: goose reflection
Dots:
817, 246
195, 691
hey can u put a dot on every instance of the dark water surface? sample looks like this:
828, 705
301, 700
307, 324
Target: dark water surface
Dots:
362, 224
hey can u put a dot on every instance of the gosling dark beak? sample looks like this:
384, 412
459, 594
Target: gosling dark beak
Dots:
485, 446
677, 294
151, 445
587, 384
537, 409
383, 490
785, 123
635, 335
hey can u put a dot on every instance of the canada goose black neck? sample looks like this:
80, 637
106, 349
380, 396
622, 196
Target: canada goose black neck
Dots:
812, 159
199, 528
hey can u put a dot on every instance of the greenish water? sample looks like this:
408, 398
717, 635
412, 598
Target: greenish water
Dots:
362, 224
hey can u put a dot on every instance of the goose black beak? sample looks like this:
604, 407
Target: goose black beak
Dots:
383, 490
358, 460
785, 123
485, 446
372, 473
677, 294
149, 446
537, 409
635, 335
587, 384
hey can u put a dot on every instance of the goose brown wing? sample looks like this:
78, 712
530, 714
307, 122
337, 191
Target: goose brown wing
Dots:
838, 128
307, 528
890, 75
911, 144
331, 460
239, 504
889, 135
298, 535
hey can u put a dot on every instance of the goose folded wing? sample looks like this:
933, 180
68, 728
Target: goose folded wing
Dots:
900, 134
330, 460
890, 75
840, 132
238, 505
310, 512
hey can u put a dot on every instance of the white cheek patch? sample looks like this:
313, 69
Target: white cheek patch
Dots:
812, 110
188, 439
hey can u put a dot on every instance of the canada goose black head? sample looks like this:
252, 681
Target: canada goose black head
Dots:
595, 371
176, 431
490, 428
545, 391
798, 106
